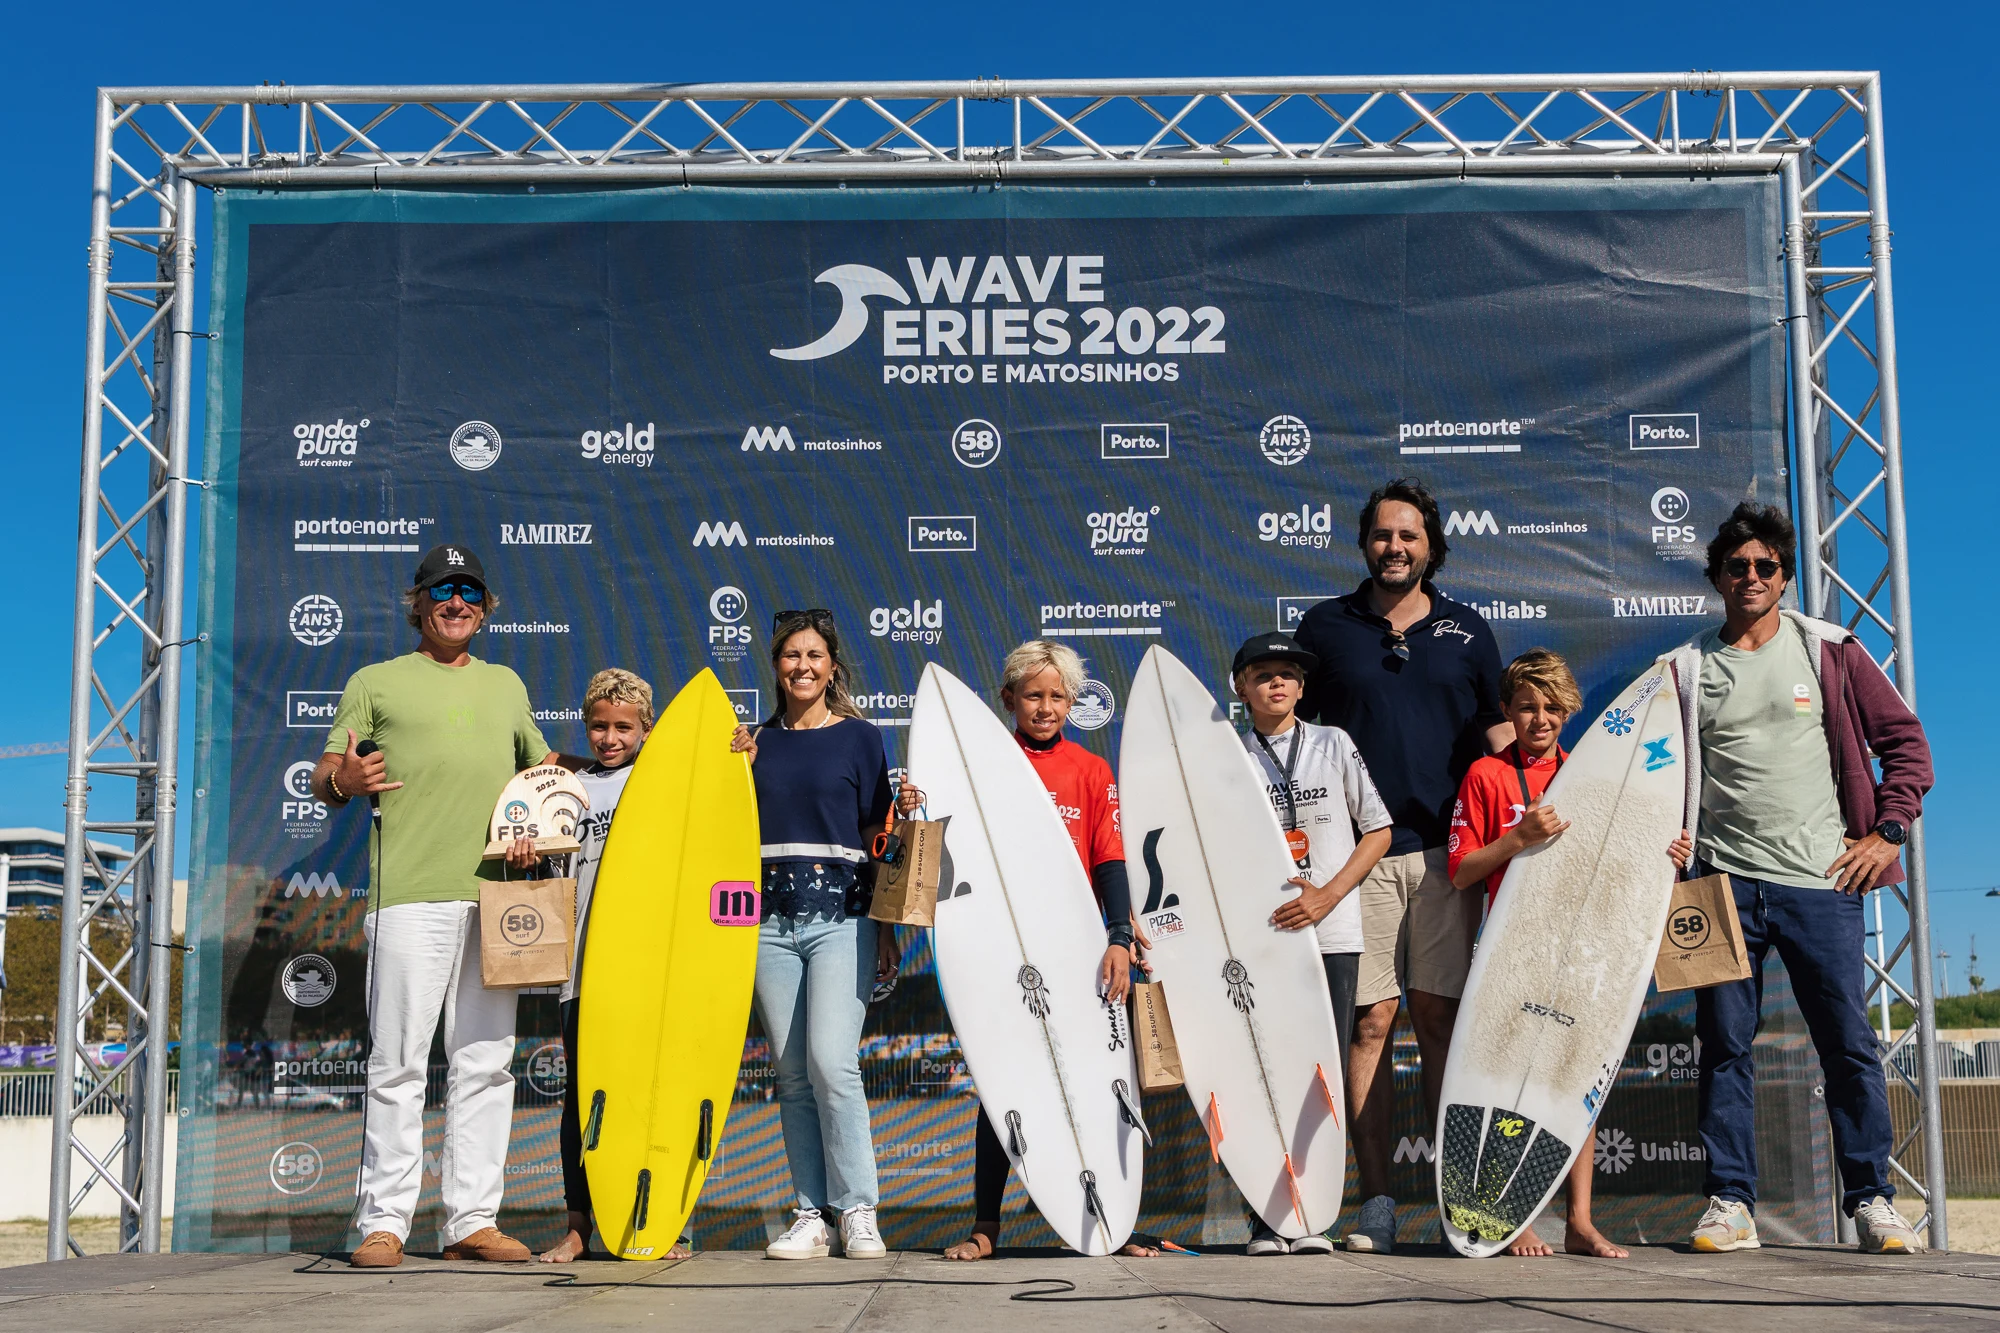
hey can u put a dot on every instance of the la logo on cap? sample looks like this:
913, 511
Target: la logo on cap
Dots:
452, 555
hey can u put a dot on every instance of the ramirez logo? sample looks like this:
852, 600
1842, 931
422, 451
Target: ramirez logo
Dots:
1471, 522
720, 534
975, 443
328, 444
761, 438
308, 980
1625, 607
944, 532
1664, 430
1285, 440
315, 620
545, 534
475, 446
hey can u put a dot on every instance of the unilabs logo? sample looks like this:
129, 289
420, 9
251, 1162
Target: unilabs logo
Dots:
1121, 532
1505, 610
329, 443
1308, 527
915, 623
630, 447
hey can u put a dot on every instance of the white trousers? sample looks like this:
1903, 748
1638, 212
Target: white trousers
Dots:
423, 959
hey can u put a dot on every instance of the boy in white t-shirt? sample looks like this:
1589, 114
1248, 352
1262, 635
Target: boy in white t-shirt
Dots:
617, 716
1324, 797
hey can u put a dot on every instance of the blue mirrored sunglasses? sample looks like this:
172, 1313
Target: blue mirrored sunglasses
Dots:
471, 592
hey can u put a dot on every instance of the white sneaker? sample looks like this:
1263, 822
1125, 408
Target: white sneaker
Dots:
1313, 1244
1883, 1230
858, 1237
1267, 1242
807, 1238
1726, 1226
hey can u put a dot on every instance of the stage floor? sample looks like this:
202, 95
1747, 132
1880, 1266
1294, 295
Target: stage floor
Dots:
1424, 1288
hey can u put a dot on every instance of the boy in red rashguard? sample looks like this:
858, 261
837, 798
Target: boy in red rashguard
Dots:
1499, 815
1039, 684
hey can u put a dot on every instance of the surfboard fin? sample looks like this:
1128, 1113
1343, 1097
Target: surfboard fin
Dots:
1298, 1200
1017, 1142
1326, 1091
596, 1120
1090, 1199
704, 1137
1128, 1110
1214, 1128
639, 1204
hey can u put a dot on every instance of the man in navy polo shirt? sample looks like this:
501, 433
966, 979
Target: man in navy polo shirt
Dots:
1414, 678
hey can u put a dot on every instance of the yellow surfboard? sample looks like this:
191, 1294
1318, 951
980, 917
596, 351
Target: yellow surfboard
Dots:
668, 966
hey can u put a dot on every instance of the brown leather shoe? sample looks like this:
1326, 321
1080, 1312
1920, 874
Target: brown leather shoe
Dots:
379, 1250
489, 1245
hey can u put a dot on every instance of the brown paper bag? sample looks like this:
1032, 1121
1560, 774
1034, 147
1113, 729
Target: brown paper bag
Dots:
906, 888
1153, 1030
1703, 943
527, 931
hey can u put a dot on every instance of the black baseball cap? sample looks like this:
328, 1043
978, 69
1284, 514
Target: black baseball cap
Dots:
449, 562
1272, 647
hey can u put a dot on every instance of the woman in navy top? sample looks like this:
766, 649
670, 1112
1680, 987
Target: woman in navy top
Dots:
822, 791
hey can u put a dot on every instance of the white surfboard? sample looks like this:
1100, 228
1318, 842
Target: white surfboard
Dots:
1248, 1001
1560, 973
1018, 942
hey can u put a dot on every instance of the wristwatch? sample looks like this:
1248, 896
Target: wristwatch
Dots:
1893, 832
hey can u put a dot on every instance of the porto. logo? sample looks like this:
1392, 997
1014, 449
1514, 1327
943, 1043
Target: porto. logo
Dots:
475, 446
975, 443
315, 620
720, 534
1093, 707
734, 903
1471, 522
1613, 1151
1688, 927
296, 1168
856, 283
1285, 440
521, 925
308, 980
1664, 430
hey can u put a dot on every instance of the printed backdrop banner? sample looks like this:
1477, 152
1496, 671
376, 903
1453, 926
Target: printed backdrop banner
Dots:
957, 417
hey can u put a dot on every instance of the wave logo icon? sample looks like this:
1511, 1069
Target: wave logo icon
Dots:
856, 283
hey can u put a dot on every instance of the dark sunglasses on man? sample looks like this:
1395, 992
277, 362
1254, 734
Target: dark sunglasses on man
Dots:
1737, 567
444, 592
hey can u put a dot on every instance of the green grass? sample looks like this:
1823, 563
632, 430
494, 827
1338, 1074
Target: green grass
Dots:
1960, 1011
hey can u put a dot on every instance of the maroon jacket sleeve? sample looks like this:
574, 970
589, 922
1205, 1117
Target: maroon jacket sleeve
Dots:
1892, 731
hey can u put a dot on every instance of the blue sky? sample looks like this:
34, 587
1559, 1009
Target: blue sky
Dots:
1936, 57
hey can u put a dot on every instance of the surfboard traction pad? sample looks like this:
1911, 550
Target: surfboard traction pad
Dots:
1492, 1189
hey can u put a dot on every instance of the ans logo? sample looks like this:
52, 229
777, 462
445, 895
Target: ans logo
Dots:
315, 620
1309, 527
1624, 607
1285, 440
720, 534
915, 623
944, 532
1121, 532
475, 446
328, 444
761, 438
1471, 522
729, 639
633, 448
545, 534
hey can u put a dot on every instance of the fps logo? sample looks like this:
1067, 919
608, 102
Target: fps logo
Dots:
301, 812
728, 637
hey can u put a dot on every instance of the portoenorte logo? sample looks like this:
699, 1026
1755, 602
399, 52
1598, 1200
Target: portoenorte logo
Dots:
371, 531
1080, 620
1504, 429
1020, 309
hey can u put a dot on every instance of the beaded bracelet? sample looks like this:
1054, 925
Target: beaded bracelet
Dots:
333, 785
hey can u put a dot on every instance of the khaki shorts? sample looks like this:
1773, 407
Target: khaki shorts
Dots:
1417, 930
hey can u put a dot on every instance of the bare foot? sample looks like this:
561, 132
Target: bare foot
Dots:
567, 1250
1138, 1251
977, 1246
1530, 1246
680, 1251
1586, 1239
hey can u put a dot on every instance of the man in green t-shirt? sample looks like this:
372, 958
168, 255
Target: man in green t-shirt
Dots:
452, 730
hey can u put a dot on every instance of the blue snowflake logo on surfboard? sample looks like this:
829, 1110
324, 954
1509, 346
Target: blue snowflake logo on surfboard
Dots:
1620, 720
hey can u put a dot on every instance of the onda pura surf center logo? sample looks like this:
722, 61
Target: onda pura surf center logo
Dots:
1044, 319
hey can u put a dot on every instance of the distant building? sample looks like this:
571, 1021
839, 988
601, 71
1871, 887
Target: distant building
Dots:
31, 866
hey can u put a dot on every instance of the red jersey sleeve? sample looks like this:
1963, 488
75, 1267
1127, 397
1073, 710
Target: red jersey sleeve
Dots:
1107, 833
1477, 816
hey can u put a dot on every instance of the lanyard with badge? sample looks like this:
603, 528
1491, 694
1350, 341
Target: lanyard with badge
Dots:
1295, 837
1521, 772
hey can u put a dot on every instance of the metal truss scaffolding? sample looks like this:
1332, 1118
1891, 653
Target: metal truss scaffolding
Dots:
1821, 133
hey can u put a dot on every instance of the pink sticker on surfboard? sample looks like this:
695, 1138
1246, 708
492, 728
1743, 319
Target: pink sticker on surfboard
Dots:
734, 902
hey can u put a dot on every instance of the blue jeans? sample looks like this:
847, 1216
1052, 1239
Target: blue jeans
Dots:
1819, 935
814, 975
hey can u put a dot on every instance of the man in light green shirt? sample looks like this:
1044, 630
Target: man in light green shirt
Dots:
452, 730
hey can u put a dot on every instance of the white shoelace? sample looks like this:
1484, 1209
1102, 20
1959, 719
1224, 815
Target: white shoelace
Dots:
1880, 1213
859, 1224
1721, 1212
805, 1220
